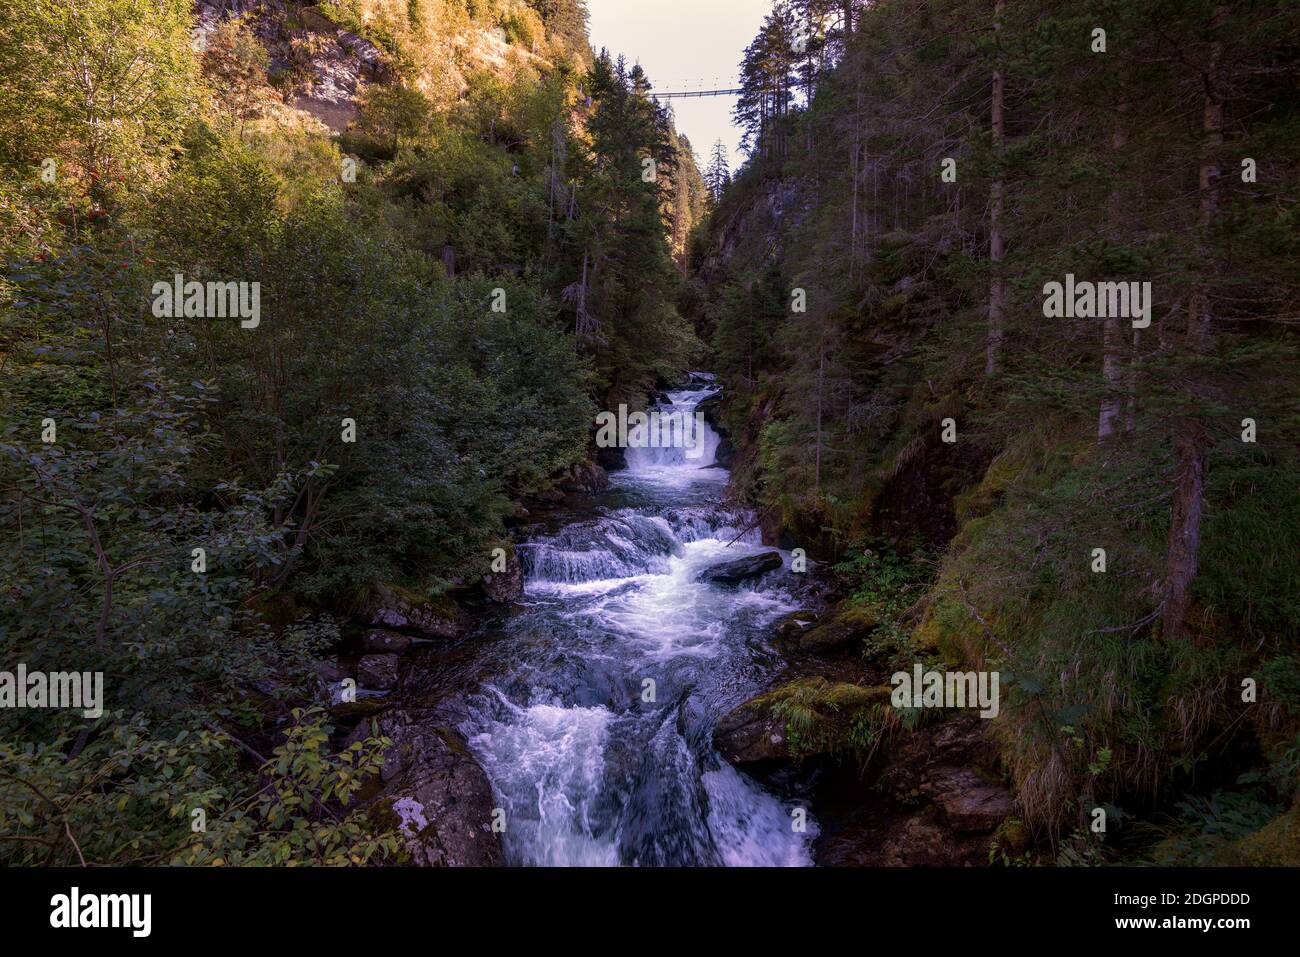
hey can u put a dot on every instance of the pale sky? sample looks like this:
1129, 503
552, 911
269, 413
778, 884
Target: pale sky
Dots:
685, 45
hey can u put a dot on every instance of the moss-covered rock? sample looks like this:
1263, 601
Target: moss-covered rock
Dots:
799, 719
400, 610
791, 626
844, 628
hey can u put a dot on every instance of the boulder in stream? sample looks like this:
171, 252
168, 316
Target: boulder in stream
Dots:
741, 569
585, 477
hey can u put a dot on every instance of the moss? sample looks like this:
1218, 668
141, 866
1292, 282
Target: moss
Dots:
847, 625
822, 716
442, 605
1013, 836
1276, 844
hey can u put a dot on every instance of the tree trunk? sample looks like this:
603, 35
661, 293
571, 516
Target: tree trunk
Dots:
1112, 335
997, 288
1190, 445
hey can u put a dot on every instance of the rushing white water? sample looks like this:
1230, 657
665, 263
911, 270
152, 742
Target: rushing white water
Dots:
588, 770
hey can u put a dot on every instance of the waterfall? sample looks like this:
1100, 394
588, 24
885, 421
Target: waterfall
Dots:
687, 441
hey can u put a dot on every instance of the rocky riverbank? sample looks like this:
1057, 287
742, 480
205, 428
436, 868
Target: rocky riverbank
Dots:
887, 787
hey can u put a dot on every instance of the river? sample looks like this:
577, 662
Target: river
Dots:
595, 728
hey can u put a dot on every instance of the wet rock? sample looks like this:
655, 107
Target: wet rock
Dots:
724, 455
742, 569
396, 610
506, 586
378, 672
711, 408
381, 642
435, 792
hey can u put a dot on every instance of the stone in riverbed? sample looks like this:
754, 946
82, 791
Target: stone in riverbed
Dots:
742, 569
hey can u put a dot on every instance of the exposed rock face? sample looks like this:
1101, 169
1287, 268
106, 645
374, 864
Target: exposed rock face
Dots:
932, 796
953, 768
436, 790
394, 610
742, 569
968, 802
725, 454
941, 805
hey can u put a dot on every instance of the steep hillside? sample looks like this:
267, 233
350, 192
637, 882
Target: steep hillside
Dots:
1102, 510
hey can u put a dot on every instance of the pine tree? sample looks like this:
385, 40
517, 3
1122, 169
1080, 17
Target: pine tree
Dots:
718, 174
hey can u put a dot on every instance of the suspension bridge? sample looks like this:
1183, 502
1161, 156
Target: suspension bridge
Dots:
686, 93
